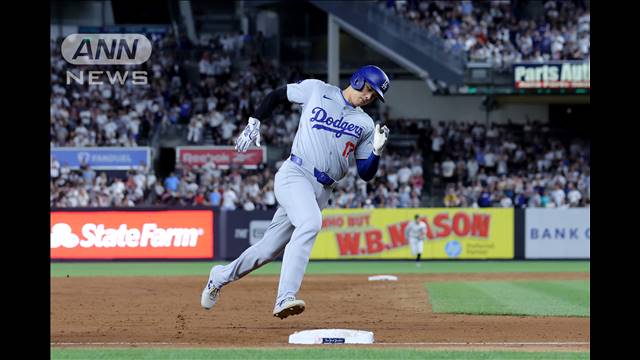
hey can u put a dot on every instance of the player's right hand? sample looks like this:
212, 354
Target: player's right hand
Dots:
250, 135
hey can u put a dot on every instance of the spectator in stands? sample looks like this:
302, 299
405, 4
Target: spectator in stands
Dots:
215, 198
436, 146
55, 168
506, 201
88, 174
217, 103
229, 198
171, 182
248, 205
195, 129
404, 174
558, 195
485, 198
545, 201
269, 197
495, 32
448, 170
472, 168
415, 199
451, 198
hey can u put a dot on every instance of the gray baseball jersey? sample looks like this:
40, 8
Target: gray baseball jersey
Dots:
330, 132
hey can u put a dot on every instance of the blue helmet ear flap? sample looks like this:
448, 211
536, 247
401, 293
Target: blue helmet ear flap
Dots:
357, 81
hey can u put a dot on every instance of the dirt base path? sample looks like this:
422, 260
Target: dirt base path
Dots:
165, 311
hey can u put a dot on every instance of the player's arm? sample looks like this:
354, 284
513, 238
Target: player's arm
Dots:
367, 168
298, 93
251, 132
270, 102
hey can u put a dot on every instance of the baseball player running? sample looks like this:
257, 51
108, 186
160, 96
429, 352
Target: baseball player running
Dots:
416, 232
333, 128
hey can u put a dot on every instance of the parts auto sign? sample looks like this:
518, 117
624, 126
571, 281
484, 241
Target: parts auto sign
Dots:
560, 75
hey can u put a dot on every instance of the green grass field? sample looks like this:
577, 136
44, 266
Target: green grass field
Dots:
488, 297
540, 298
314, 353
317, 267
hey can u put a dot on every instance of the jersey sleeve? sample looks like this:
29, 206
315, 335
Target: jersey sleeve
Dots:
365, 145
300, 92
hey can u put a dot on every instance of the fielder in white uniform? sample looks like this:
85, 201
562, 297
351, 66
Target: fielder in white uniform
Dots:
333, 129
416, 233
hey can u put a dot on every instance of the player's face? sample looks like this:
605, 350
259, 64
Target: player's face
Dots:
365, 96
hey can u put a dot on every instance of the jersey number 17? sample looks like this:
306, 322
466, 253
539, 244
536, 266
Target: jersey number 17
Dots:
349, 147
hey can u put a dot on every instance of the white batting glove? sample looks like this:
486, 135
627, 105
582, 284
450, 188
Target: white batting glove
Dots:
380, 137
250, 135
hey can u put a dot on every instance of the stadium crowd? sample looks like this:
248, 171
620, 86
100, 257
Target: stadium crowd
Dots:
481, 167
222, 103
84, 115
495, 166
500, 31
399, 184
529, 166
124, 115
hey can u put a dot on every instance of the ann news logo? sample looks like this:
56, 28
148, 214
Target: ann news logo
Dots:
106, 49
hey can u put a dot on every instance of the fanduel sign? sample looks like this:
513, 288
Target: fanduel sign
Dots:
102, 158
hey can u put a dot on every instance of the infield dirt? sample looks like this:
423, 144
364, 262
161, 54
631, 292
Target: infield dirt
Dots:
165, 311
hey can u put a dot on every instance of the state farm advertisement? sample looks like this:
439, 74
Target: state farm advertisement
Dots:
162, 234
221, 156
380, 234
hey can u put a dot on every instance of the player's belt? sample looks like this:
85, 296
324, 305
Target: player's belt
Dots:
322, 177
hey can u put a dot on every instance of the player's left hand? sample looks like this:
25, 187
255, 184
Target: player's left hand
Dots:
380, 137
250, 135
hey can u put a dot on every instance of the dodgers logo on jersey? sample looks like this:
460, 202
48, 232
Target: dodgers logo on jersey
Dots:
339, 126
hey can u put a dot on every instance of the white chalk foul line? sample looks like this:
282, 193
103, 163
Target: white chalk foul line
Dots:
118, 343
554, 343
491, 343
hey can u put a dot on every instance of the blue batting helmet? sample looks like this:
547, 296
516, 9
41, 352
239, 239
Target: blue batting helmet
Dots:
372, 75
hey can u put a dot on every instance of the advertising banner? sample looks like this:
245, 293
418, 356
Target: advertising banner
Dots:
552, 75
558, 233
102, 158
243, 229
121, 234
451, 234
222, 156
